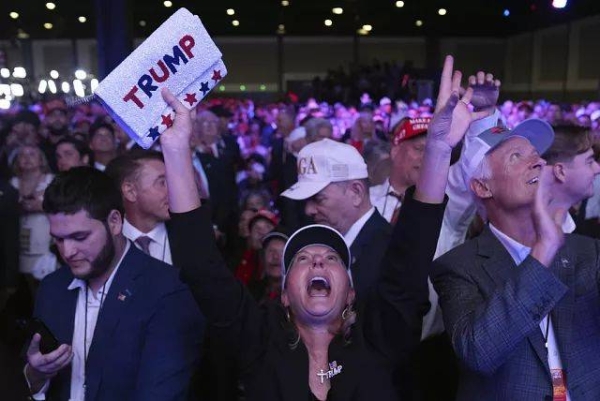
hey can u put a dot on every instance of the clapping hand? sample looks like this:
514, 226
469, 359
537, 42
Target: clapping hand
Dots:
548, 225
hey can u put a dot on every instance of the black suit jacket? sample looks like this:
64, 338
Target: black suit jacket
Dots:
386, 332
368, 250
9, 235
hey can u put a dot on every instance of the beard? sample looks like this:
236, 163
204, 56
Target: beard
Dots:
102, 262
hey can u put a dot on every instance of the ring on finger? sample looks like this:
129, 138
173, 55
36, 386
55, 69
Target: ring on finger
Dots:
465, 102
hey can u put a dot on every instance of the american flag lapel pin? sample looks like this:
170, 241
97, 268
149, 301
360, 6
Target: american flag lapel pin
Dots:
123, 295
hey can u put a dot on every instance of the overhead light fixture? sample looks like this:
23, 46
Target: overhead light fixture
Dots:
442, 11
362, 32
78, 88
399, 4
222, 88
50, 6
54, 74
419, 23
21, 34
230, 11
93, 85
235, 22
19, 72
285, 3
4, 73
80, 74
42, 86
337, 10
52, 86
65, 87
142, 23
281, 29
263, 87
14, 15
17, 90
242, 87
367, 27
82, 19
168, 3
559, 3
48, 25
506, 13
328, 22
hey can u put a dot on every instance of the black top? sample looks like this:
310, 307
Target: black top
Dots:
389, 320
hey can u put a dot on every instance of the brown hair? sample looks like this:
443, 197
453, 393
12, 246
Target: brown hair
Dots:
569, 141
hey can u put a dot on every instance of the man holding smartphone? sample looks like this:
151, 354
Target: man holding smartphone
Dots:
128, 328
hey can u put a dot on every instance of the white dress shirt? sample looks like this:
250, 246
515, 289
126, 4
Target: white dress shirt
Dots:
354, 230
385, 203
159, 246
518, 252
83, 332
99, 166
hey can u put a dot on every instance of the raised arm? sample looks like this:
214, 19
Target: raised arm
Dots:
222, 299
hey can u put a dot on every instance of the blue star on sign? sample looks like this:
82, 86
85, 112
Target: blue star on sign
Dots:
204, 88
154, 133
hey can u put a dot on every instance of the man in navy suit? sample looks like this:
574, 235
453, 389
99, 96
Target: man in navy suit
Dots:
333, 179
129, 329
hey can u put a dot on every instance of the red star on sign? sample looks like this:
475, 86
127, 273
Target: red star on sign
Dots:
167, 121
216, 75
190, 98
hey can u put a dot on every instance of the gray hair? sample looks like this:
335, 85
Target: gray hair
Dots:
483, 172
313, 126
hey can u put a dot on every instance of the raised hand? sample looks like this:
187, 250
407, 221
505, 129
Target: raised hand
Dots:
178, 136
548, 226
486, 91
452, 114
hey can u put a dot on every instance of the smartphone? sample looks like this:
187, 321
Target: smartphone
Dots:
48, 342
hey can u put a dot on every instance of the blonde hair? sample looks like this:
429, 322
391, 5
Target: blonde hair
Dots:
44, 167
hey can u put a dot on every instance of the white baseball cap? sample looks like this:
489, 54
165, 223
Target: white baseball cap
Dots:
538, 132
323, 162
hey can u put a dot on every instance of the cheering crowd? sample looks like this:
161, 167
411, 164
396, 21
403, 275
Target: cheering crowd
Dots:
385, 250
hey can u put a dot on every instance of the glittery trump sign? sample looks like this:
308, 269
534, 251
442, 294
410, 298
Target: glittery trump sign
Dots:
179, 55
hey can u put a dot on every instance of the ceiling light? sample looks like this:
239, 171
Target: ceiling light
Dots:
54, 74
142, 23
506, 13
52, 86
14, 15
222, 88
367, 27
281, 29
285, 3
168, 3
93, 85
42, 86
235, 22
82, 19
50, 6
4, 72
230, 11
362, 32
65, 87
419, 23
442, 11
399, 4
328, 22
242, 87
263, 87
80, 74
19, 72
559, 3
21, 34
337, 10
17, 90
48, 25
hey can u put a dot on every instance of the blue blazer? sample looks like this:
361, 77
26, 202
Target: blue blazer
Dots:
492, 310
147, 338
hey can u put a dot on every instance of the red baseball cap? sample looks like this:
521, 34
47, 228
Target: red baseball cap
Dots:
409, 128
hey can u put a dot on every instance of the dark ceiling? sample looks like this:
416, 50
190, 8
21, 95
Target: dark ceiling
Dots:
303, 17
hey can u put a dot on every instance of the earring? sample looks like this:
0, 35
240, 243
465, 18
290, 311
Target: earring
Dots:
346, 312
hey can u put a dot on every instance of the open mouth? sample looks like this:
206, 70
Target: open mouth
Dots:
318, 287
534, 180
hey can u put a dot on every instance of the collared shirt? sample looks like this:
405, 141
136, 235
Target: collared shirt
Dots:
518, 252
200, 171
354, 230
159, 246
83, 332
383, 200
99, 166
